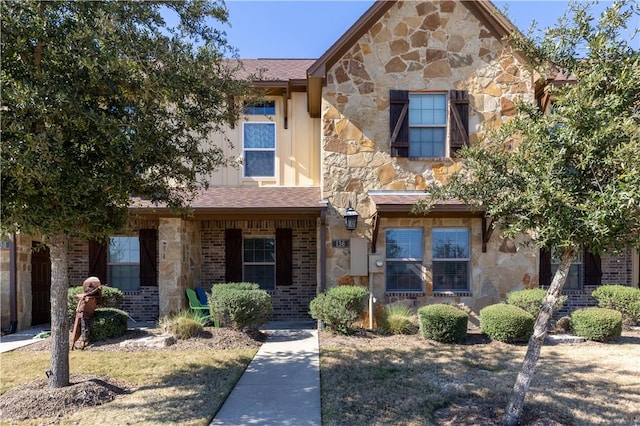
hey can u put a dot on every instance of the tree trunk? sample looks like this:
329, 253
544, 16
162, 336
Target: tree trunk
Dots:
59, 374
516, 400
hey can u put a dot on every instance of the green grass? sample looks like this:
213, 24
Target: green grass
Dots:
170, 387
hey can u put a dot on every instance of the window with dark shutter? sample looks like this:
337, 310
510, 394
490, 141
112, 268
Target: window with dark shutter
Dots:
459, 126
233, 255
98, 260
592, 268
284, 257
148, 257
399, 122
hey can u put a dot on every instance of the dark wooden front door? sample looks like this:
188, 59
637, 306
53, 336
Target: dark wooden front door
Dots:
40, 285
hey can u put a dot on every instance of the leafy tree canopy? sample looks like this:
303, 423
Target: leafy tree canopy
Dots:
102, 100
570, 177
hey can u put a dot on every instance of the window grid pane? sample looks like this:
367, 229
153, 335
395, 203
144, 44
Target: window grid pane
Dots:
450, 259
404, 254
124, 263
259, 256
259, 142
427, 124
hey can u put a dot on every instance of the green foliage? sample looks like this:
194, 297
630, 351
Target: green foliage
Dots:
107, 323
183, 325
398, 319
600, 324
506, 323
240, 305
90, 117
111, 298
339, 307
443, 323
531, 300
621, 298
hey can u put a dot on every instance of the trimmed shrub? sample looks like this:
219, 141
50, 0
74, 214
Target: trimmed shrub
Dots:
242, 306
107, 323
506, 323
531, 300
443, 323
111, 298
620, 298
398, 319
183, 325
600, 324
339, 307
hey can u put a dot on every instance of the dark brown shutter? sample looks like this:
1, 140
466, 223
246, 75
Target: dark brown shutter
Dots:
592, 268
545, 267
148, 257
459, 127
98, 260
399, 122
233, 255
284, 257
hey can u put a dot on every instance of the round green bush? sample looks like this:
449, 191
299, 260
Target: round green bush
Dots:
506, 323
600, 324
531, 300
339, 307
621, 298
443, 323
107, 323
241, 305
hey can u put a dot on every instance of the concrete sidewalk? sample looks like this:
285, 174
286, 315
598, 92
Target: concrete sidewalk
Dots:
21, 338
281, 385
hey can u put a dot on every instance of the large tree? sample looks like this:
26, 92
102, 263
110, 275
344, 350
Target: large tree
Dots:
569, 178
100, 101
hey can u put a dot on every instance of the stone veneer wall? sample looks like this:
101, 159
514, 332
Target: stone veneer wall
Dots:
289, 302
426, 46
503, 268
5, 260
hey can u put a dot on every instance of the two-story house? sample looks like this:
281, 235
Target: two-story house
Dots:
366, 126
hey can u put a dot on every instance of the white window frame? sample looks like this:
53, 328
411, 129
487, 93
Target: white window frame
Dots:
273, 263
444, 126
467, 260
110, 264
418, 261
245, 149
578, 264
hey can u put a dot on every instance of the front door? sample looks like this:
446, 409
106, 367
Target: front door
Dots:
40, 284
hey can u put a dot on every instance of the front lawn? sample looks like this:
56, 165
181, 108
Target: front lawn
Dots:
407, 380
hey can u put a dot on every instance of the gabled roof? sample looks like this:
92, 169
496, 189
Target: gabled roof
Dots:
484, 10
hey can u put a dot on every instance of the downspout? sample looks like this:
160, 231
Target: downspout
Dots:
13, 287
323, 250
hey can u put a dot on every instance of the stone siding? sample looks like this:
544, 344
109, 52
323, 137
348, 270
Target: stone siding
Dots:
289, 302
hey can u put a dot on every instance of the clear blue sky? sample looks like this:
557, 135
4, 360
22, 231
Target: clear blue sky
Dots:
307, 28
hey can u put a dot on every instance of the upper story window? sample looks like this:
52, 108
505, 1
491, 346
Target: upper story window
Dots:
259, 108
427, 124
403, 252
450, 259
423, 124
259, 148
124, 263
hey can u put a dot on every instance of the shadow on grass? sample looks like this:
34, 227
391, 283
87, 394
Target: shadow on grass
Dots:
408, 384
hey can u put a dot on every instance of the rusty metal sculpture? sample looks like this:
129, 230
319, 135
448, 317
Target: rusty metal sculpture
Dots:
88, 300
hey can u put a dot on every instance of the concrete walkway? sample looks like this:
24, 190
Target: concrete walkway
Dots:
281, 385
21, 338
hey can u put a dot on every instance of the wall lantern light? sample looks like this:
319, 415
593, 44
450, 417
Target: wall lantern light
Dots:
351, 218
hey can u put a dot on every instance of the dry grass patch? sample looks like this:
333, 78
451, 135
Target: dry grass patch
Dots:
151, 386
406, 380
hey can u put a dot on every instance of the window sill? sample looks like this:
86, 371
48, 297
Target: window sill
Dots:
405, 293
435, 159
452, 293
